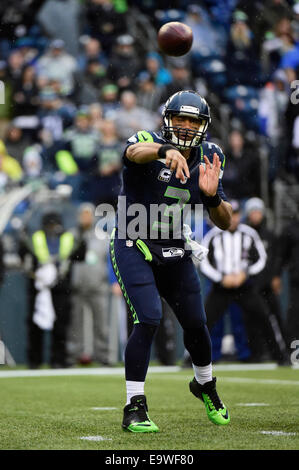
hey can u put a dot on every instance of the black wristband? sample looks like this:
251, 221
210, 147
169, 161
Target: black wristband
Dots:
163, 149
211, 201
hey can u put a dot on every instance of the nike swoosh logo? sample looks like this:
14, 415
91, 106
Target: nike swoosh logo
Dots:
145, 137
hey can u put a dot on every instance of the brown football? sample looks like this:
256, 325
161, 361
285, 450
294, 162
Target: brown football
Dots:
175, 38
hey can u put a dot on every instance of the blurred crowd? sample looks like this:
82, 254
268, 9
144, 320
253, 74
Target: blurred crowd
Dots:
81, 76
83, 83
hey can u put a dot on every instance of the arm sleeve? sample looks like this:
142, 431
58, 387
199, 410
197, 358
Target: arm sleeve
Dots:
220, 189
207, 266
140, 136
261, 255
66, 162
221, 192
12, 168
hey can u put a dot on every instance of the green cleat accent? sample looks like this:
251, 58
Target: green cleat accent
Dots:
136, 418
147, 426
216, 410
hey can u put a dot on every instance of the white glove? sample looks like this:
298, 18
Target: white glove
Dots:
44, 313
45, 276
198, 251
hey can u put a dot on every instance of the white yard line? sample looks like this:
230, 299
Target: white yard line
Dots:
278, 433
259, 381
95, 438
266, 366
121, 370
253, 404
111, 371
103, 408
78, 371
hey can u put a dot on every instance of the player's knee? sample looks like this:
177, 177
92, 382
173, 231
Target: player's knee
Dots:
150, 327
153, 318
146, 330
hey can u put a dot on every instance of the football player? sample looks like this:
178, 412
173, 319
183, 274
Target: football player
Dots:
174, 167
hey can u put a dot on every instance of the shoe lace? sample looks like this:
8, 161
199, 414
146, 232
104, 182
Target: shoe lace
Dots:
214, 400
141, 411
142, 415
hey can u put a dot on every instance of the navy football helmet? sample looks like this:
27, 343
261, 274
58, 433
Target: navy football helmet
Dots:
185, 103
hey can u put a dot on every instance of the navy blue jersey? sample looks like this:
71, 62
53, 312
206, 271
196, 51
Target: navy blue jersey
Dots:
154, 183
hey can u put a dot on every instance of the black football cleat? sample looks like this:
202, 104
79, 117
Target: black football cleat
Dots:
216, 410
136, 418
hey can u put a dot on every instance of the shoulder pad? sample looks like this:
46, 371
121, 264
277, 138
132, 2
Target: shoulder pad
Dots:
209, 148
145, 136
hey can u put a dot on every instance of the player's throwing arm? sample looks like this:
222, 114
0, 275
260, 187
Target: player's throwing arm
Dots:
145, 152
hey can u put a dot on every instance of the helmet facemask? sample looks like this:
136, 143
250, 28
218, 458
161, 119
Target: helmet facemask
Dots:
184, 138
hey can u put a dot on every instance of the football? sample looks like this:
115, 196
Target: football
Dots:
175, 38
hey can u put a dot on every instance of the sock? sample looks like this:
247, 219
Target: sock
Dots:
203, 374
134, 388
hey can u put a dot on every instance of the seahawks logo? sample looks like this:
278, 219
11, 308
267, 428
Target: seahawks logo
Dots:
172, 252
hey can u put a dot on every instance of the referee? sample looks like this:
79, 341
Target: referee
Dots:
235, 257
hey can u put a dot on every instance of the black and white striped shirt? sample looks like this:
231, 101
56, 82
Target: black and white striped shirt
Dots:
233, 252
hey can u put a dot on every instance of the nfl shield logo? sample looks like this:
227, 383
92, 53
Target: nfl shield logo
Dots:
129, 243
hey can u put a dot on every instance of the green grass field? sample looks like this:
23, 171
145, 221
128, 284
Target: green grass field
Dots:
56, 412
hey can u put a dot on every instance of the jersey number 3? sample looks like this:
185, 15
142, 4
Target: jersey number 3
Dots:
171, 212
